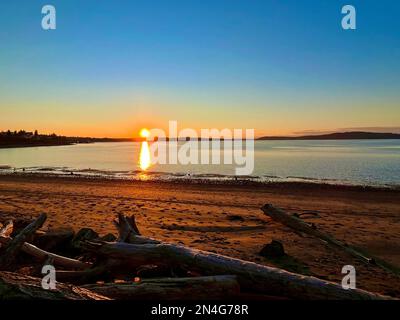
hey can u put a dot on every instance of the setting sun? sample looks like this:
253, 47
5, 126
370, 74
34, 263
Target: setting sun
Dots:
144, 133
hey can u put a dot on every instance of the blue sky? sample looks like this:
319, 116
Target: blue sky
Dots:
280, 67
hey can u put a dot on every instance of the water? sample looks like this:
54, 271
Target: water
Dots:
366, 162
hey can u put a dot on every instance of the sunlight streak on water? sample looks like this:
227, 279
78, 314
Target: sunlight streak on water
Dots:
144, 158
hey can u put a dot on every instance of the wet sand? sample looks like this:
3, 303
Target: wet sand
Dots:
226, 218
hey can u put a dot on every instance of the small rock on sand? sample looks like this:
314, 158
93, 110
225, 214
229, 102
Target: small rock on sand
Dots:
273, 250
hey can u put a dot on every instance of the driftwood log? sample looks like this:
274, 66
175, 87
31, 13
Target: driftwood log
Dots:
6, 240
16, 286
196, 288
252, 277
13, 247
300, 226
58, 260
134, 250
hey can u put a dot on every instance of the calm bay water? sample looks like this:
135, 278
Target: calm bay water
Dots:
371, 162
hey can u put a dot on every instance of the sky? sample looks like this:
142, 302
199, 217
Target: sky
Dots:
279, 67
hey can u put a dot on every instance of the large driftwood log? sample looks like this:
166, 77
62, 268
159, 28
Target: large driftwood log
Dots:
16, 286
197, 288
299, 226
251, 276
323, 290
13, 247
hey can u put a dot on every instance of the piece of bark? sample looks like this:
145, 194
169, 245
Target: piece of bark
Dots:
299, 226
196, 288
252, 277
42, 255
8, 257
14, 286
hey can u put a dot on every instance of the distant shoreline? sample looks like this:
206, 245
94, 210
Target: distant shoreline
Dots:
25, 139
34, 145
66, 141
58, 143
354, 135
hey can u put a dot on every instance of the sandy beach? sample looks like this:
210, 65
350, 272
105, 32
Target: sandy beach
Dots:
226, 218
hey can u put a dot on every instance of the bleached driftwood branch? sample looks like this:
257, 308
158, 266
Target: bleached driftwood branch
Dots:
13, 247
6, 240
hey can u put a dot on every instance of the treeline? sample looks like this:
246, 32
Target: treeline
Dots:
24, 138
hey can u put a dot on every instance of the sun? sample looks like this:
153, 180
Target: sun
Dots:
144, 133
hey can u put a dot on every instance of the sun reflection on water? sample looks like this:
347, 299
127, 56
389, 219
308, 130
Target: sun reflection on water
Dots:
144, 157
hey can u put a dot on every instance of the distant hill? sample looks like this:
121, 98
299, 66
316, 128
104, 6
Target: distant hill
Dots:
355, 135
